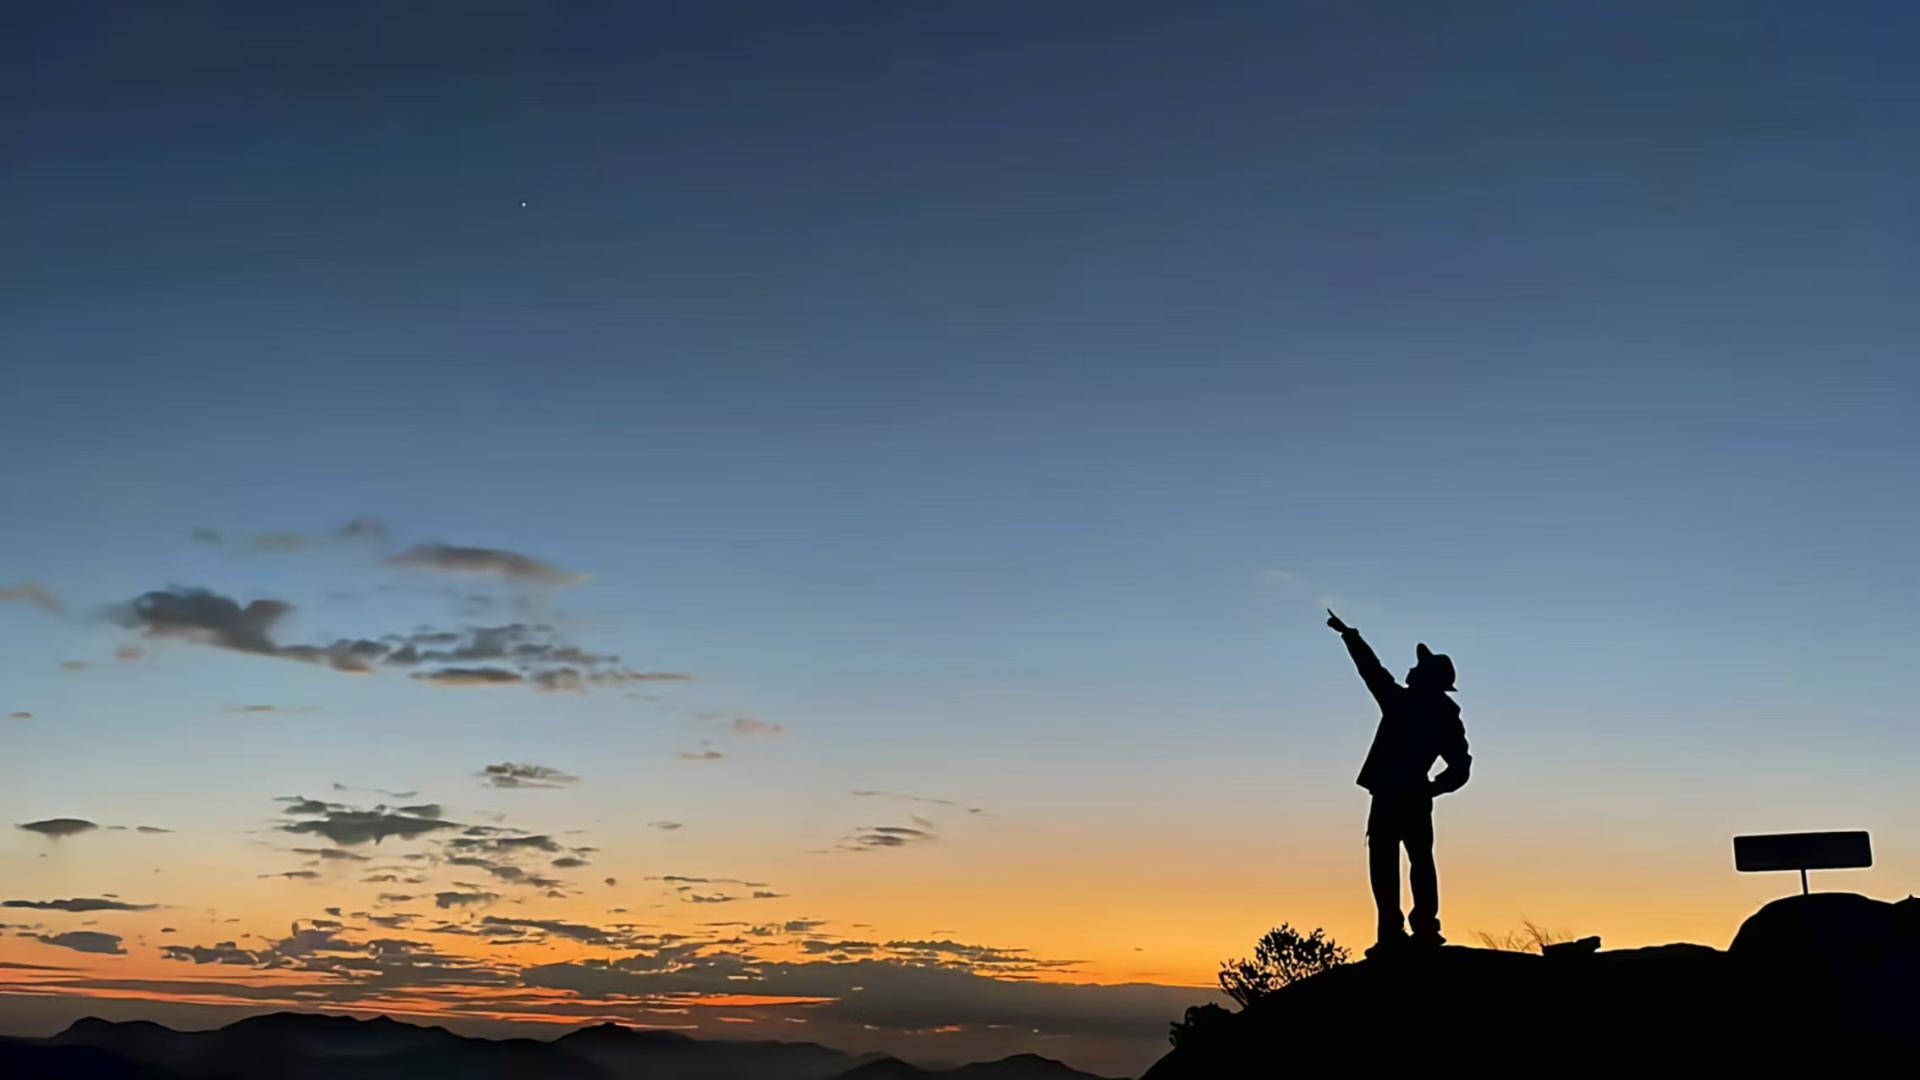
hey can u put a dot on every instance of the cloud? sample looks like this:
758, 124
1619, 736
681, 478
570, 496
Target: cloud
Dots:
206, 536
350, 827
206, 617
86, 941
151, 830
463, 899
513, 774
666, 826
494, 562
470, 676
353, 657
749, 725
509, 653
364, 527
560, 680
79, 903
871, 793
129, 653
885, 993
702, 755
277, 541
20, 714
505, 844
226, 952
630, 676
332, 854
58, 827
75, 665
589, 935
338, 786
880, 837
569, 862
29, 593
295, 875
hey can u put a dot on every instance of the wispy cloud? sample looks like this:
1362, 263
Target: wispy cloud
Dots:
79, 903
226, 952
514, 774
471, 676
492, 562
874, 793
29, 593
753, 725
882, 837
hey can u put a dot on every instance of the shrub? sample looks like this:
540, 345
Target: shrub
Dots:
1281, 958
1200, 1021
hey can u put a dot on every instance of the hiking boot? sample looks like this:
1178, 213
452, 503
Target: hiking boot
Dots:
1427, 939
1389, 945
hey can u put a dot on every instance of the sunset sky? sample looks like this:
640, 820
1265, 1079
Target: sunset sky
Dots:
866, 478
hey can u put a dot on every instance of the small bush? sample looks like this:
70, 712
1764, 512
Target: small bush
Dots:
1281, 958
1200, 1021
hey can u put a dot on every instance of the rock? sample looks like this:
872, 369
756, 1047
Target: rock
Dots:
1564, 950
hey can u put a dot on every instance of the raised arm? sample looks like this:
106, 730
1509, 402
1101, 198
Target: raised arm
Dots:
1371, 672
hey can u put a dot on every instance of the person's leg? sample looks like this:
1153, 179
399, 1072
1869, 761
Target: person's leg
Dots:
1421, 874
1383, 867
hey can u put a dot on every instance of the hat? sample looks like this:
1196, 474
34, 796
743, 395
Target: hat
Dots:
1439, 663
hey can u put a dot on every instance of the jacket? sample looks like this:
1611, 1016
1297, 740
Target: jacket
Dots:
1417, 727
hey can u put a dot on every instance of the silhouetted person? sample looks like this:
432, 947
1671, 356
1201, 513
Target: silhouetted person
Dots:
1419, 724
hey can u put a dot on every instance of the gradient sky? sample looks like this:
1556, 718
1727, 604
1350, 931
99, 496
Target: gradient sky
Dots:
979, 403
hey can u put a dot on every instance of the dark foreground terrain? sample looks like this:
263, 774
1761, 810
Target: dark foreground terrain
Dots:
1809, 982
307, 1046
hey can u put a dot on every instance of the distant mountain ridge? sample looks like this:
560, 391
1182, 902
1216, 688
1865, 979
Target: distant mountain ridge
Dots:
317, 1046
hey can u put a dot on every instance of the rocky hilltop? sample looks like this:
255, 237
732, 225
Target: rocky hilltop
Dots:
1808, 981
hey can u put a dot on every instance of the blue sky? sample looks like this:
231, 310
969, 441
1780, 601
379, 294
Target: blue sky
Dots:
991, 397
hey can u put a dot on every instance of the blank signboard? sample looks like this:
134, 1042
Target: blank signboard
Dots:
1802, 851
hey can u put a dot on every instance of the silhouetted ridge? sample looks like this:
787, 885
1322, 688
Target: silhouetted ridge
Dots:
317, 1046
1825, 979
1017, 1067
623, 1037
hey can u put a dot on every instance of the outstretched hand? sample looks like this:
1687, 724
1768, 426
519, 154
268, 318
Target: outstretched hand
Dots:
1334, 622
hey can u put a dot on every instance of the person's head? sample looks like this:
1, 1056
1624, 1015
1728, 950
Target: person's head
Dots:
1433, 672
